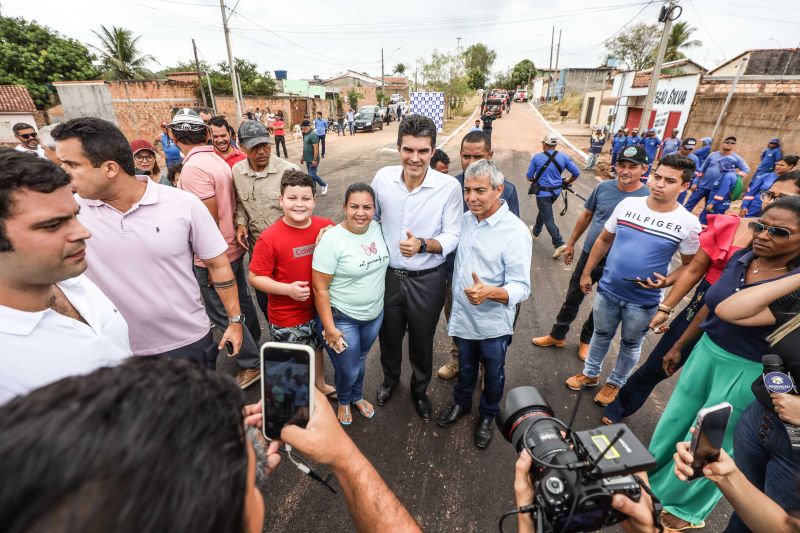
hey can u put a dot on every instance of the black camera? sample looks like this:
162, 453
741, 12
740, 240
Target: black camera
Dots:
575, 474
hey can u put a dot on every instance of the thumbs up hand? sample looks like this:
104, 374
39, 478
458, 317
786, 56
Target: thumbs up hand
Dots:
479, 291
410, 246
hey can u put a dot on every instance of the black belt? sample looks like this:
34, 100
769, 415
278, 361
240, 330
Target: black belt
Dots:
414, 273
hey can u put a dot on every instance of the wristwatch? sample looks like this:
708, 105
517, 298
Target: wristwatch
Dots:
239, 319
423, 246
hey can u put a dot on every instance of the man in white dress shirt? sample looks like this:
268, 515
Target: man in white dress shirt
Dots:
54, 322
420, 211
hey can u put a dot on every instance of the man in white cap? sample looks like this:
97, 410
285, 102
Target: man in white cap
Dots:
544, 173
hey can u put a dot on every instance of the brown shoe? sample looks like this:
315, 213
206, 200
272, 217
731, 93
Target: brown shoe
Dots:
548, 341
247, 376
449, 370
607, 394
578, 381
583, 351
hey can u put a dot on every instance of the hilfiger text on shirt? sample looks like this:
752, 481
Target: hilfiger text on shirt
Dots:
651, 221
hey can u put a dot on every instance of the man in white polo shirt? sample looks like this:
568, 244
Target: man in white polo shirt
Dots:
143, 238
420, 212
54, 322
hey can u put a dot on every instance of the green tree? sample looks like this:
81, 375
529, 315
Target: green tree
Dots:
503, 79
478, 61
399, 68
680, 38
352, 98
35, 56
522, 73
254, 83
445, 72
634, 48
120, 57
380, 95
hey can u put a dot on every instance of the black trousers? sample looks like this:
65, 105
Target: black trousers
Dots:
203, 352
416, 303
574, 299
280, 140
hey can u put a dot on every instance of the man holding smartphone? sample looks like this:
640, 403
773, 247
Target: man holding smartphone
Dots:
640, 238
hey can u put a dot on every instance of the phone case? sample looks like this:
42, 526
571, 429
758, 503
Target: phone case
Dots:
311, 376
701, 414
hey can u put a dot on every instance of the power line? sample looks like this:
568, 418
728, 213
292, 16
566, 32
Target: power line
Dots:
621, 28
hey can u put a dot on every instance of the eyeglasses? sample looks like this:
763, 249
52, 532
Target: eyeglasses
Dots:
775, 233
768, 196
144, 157
28, 135
728, 142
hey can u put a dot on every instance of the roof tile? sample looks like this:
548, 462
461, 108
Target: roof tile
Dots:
15, 98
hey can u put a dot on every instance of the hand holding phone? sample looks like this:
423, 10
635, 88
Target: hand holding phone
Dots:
287, 386
712, 422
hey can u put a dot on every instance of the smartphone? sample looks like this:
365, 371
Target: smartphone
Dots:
287, 381
712, 422
634, 280
340, 346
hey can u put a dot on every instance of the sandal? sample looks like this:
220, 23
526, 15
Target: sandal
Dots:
344, 416
365, 408
606, 421
666, 514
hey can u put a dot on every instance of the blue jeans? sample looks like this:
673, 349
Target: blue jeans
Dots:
763, 453
312, 171
546, 218
591, 161
492, 352
248, 357
614, 156
349, 366
608, 312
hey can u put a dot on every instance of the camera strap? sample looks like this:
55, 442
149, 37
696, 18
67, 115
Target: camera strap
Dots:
657, 507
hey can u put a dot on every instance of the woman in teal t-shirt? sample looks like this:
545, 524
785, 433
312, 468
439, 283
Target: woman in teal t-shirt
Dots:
349, 270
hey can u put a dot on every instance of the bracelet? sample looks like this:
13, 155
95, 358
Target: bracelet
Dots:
666, 309
224, 284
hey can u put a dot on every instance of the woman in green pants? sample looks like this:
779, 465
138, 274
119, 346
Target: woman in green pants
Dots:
723, 364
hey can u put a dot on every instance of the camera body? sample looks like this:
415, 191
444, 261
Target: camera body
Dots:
575, 476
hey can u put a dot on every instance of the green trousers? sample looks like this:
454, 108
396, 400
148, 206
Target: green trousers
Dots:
710, 376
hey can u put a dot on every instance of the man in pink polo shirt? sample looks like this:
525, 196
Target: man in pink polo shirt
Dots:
143, 238
221, 134
208, 177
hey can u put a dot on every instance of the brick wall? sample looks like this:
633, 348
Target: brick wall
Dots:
758, 111
293, 108
140, 106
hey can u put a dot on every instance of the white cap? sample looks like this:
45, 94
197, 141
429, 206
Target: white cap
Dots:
550, 139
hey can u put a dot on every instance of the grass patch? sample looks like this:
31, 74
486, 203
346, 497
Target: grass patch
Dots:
571, 103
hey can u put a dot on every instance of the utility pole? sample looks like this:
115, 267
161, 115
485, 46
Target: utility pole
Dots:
383, 81
237, 102
666, 14
550, 68
211, 94
728, 98
199, 76
558, 53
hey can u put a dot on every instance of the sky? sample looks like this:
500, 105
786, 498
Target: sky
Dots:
324, 37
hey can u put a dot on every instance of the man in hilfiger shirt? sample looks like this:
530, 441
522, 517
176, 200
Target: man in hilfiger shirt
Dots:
643, 233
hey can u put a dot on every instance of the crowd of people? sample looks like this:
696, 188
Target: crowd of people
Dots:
104, 255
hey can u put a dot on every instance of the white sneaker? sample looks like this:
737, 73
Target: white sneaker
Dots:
559, 251
324, 190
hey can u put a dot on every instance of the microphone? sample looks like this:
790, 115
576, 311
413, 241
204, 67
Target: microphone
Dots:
777, 380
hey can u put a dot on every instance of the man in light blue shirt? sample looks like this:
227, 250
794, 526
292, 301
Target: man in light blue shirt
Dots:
492, 275
321, 128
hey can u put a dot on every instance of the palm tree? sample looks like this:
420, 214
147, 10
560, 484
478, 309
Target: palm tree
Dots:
119, 56
399, 69
680, 38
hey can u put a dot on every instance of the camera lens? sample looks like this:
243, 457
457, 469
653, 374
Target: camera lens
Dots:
523, 407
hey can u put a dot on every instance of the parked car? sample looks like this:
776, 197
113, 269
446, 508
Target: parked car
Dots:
521, 96
396, 99
495, 105
368, 119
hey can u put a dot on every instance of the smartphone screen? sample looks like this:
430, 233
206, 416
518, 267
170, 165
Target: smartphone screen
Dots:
286, 380
707, 440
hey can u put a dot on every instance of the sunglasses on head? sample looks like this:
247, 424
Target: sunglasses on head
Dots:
28, 135
775, 233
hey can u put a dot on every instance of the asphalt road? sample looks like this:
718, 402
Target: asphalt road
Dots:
446, 483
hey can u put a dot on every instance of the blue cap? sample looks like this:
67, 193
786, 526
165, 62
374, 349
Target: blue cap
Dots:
707, 140
775, 141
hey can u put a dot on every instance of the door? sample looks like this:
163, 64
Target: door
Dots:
299, 109
634, 116
589, 110
652, 119
672, 122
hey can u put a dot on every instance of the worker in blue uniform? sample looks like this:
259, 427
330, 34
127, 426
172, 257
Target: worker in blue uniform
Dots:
617, 144
633, 139
651, 143
671, 144
769, 157
704, 151
710, 172
751, 200
721, 193
544, 173
686, 149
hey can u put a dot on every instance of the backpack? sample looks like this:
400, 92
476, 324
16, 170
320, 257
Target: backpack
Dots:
738, 188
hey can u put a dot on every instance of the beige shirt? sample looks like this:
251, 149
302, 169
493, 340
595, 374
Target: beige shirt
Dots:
257, 194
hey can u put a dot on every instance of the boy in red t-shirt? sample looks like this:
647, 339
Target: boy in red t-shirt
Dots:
281, 267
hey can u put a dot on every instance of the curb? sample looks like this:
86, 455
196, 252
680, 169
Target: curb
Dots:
461, 127
555, 132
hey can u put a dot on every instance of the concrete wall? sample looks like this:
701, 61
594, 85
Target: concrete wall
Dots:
86, 99
7, 121
759, 111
